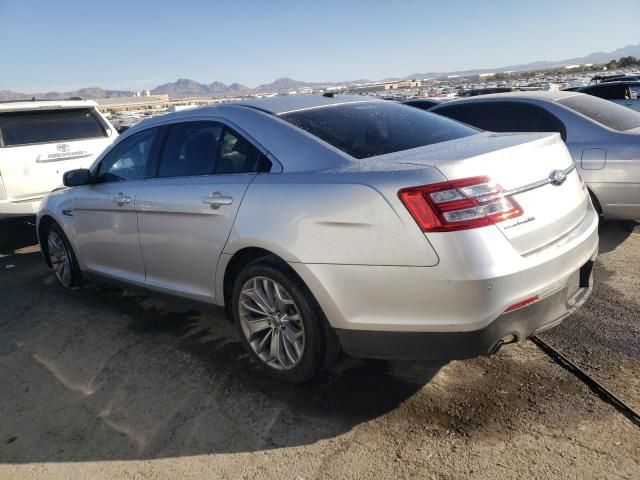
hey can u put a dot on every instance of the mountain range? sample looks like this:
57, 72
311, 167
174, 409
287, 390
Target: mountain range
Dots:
596, 57
188, 88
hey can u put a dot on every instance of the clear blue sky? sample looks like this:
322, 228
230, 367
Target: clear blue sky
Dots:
63, 45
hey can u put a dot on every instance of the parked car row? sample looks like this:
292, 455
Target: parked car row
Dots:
623, 92
603, 138
324, 224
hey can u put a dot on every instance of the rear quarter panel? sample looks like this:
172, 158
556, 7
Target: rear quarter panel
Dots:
332, 218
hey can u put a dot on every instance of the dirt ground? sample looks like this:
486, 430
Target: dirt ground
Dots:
101, 383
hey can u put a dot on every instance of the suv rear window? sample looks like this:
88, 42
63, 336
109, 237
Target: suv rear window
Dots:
607, 113
48, 126
368, 129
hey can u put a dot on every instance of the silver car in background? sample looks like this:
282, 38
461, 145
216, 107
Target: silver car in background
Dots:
325, 223
603, 138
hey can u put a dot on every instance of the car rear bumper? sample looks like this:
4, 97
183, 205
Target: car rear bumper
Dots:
398, 311
509, 327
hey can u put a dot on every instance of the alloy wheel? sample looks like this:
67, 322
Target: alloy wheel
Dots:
60, 259
271, 323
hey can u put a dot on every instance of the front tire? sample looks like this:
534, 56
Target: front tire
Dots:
279, 322
63, 261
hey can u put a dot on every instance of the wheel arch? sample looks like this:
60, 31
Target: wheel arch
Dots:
234, 265
595, 201
43, 226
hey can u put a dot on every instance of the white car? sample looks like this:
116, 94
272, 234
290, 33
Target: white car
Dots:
39, 142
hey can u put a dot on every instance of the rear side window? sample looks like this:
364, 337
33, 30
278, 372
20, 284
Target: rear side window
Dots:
237, 155
190, 149
608, 92
48, 126
607, 113
504, 117
368, 129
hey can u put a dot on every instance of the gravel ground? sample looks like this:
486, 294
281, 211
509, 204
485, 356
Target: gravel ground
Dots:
100, 383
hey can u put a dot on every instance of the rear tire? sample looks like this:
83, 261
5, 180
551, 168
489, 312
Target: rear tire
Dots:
62, 259
279, 322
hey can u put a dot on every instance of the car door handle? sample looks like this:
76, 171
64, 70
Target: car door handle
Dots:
121, 199
215, 200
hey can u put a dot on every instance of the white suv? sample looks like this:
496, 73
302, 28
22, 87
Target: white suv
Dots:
39, 142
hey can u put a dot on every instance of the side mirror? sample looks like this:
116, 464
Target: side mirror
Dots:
75, 178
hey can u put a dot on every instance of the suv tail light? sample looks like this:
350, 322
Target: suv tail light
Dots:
459, 204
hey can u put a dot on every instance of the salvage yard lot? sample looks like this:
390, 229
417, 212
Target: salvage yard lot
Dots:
103, 383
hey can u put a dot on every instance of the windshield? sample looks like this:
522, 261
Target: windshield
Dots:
48, 126
607, 113
368, 129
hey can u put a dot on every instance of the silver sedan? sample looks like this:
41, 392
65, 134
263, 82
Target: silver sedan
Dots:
603, 138
325, 224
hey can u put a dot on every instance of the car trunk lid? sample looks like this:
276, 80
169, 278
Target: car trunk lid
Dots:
535, 170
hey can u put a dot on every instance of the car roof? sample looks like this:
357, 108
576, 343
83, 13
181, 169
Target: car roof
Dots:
290, 103
622, 81
526, 95
45, 105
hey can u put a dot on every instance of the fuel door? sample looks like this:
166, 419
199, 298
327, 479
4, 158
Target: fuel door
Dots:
593, 158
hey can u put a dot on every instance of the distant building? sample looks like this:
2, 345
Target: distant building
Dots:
179, 108
379, 87
132, 103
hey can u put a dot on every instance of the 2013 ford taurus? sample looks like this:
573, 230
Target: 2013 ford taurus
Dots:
335, 223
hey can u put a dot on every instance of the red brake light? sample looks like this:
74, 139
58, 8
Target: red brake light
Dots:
458, 204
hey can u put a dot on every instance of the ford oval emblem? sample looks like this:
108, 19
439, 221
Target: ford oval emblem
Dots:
63, 147
558, 177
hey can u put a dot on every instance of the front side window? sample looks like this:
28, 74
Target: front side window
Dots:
129, 159
48, 126
368, 129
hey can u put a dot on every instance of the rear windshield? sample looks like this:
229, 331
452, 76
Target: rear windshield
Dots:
368, 129
607, 113
48, 126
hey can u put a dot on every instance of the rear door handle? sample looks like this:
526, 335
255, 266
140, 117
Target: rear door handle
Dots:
216, 200
121, 199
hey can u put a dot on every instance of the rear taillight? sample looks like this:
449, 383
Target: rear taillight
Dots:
458, 204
